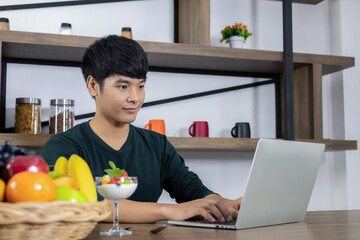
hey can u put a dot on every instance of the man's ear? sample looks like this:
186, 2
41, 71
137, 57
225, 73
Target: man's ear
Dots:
93, 86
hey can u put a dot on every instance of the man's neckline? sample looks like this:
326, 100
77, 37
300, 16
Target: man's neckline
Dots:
99, 140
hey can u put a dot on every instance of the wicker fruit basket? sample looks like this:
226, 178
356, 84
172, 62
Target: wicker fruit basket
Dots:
55, 220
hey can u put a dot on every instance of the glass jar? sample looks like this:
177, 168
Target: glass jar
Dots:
62, 115
65, 29
27, 115
4, 24
126, 32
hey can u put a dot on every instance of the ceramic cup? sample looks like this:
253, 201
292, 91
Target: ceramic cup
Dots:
199, 129
241, 130
156, 125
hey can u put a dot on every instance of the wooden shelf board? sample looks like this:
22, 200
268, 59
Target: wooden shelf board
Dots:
57, 47
249, 144
187, 143
25, 140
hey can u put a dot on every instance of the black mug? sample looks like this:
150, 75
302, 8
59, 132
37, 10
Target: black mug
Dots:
241, 130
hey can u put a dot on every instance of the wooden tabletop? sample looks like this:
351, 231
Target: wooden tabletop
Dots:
322, 225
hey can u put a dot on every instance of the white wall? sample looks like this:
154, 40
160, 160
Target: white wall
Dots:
350, 39
337, 182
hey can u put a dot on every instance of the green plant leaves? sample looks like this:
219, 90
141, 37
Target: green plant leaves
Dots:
236, 30
114, 172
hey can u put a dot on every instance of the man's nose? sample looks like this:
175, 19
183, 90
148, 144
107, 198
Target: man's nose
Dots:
133, 96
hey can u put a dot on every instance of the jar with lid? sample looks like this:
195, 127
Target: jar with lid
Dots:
4, 24
27, 115
126, 32
65, 29
62, 115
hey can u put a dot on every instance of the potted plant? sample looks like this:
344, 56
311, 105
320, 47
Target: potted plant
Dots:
236, 35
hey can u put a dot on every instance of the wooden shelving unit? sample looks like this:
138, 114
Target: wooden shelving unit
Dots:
186, 143
309, 69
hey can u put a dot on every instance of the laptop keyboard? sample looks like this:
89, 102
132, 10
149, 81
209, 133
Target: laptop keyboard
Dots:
233, 222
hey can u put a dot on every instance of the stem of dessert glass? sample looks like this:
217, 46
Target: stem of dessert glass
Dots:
116, 216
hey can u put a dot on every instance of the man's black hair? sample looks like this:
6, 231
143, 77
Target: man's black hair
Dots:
114, 55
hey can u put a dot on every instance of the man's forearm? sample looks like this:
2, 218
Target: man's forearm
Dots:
211, 207
140, 212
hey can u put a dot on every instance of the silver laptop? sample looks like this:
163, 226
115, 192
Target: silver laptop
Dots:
279, 186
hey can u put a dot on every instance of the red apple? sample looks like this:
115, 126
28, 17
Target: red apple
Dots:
24, 163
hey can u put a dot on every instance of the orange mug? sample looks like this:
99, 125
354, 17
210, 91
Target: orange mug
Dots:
156, 125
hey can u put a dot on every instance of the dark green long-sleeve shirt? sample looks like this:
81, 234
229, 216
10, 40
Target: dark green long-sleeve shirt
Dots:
145, 154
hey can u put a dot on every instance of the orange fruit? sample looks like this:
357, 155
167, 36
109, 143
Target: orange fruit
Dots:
66, 181
2, 190
30, 187
105, 179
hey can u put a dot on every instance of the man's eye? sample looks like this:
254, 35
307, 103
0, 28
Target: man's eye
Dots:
122, 86
142, 86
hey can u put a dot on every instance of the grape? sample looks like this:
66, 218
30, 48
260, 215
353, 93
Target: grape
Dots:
7, 146
6, 156
7, 151
31, 153
20, 151
12, 149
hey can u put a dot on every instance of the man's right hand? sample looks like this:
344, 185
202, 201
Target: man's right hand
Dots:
210, 209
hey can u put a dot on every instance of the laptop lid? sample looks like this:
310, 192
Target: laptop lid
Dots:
280, 183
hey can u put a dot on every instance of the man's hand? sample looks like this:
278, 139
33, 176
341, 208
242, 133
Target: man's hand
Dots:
211, 207
233, 206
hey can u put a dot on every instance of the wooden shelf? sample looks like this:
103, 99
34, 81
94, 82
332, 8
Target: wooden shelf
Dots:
248, 144
55, 47
309, 69
186, 143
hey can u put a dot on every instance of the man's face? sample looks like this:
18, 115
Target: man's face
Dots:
120, 99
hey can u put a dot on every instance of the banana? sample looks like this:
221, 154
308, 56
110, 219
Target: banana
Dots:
61, 165
79, 169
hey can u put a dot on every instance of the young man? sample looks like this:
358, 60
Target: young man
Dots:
115, 71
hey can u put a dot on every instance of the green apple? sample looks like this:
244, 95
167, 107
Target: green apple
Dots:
69, 194
55, 174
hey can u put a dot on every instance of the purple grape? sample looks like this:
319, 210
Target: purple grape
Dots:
6, 156
7, 146
31, 153
20, 151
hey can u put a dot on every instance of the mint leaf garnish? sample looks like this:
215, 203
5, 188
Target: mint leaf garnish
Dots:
112, 165
114, 172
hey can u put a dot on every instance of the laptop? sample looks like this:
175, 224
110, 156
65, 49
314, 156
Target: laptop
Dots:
279, 186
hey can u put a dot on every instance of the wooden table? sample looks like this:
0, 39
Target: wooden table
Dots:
323, 225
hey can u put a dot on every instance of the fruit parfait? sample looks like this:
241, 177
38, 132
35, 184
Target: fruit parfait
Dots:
115, 186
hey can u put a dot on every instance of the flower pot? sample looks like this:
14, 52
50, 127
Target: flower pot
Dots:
236, 42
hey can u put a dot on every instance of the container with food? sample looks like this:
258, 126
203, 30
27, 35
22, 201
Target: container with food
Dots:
126, 32
62, 115
27, 115
4, 24
65, 29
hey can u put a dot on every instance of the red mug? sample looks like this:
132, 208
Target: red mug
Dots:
199, 129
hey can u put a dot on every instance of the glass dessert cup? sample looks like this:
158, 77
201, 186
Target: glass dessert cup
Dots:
116, 192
